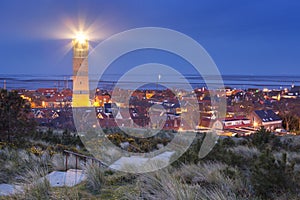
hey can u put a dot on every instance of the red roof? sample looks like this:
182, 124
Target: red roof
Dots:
67, 92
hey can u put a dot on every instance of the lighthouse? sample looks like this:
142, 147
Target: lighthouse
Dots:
80, 71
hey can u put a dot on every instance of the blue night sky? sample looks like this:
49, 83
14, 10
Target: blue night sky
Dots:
243, 37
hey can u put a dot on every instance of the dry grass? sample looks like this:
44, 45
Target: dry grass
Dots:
292, 157
245, 151
213, 174
203, 181
35, 187
66, 193
164, 185
94, 177
216, 194
14, 163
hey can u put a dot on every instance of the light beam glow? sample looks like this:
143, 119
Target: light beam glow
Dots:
81, 37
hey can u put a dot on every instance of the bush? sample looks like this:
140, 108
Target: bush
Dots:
191, 156
271, 176
262, 138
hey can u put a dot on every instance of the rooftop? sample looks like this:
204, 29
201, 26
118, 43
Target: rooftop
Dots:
267, 115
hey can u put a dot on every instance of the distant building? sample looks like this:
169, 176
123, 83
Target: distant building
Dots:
253, 90
265, 118
102, 99
56, 101
229, 91
236, 122
48, 92
295, 91
228, 122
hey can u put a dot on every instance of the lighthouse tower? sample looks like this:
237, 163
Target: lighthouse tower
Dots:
80, 72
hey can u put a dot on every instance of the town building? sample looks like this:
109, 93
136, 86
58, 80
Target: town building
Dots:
294, 91
266, 118
236, 122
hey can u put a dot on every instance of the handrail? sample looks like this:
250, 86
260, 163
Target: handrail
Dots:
84, 157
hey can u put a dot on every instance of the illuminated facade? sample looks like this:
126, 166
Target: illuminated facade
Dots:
80, 73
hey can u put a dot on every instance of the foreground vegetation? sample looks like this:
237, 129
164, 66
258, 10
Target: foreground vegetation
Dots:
262, 166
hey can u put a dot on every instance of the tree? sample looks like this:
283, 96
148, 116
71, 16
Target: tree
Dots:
262, 137
289, 110
14, 115
272, 176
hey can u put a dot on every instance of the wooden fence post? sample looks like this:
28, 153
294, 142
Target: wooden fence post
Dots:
67, 161
76, 161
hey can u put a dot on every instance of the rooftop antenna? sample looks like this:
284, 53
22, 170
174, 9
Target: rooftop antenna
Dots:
4, 84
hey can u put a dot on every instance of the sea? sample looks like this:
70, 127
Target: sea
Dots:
32, 82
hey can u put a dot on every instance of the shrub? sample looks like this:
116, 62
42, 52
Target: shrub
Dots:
191, 156
262, 138
271, 176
